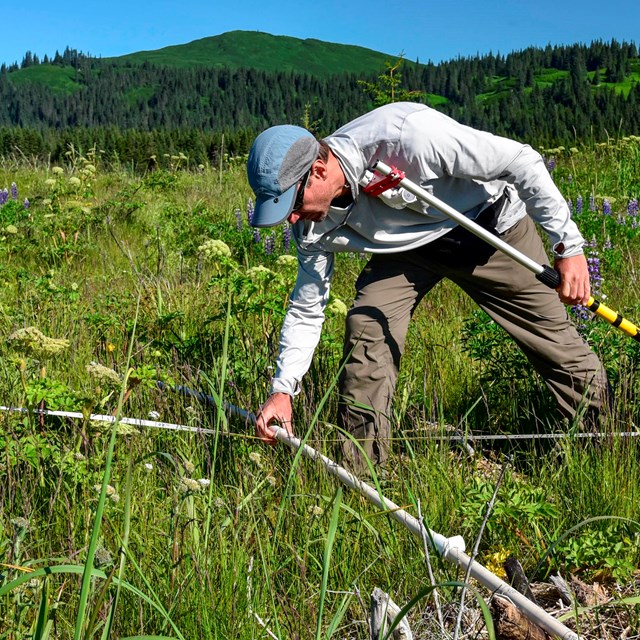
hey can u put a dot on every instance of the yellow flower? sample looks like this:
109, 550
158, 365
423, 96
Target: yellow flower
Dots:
188, 485
111, 347
103, 374
495, 562
286, 260
189, 467
256, 458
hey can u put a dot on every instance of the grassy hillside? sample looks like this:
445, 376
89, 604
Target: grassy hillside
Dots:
58, 79
266, 52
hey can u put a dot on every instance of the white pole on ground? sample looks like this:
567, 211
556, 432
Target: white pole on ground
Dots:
451, 549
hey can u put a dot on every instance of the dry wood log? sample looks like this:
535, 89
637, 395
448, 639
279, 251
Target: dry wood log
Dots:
383, 613
510, 624
563, 589
550, 594
517, 578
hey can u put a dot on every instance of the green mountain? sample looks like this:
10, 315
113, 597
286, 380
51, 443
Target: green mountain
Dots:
264, 52
188, 96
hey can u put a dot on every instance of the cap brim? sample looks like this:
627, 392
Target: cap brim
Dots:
272, 211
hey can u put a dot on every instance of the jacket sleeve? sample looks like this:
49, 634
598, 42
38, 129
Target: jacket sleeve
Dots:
544, 203
303, 321
446, 147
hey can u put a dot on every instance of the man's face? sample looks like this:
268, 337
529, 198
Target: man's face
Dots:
314, 196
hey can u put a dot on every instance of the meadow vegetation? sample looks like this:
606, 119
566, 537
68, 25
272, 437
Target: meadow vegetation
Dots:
112, 280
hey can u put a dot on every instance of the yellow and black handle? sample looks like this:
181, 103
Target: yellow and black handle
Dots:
613, 318
551, 278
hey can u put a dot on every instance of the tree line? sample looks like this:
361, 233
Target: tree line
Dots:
134, 111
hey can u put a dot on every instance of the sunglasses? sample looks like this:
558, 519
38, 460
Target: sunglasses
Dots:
299, 201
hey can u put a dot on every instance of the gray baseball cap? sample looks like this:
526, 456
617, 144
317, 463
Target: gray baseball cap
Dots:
279, 158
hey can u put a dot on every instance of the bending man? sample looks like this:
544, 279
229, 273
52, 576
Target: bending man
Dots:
501, 184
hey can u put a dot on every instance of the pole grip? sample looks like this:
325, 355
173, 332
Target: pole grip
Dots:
549, 277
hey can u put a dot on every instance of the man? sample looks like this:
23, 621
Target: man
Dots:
501, 184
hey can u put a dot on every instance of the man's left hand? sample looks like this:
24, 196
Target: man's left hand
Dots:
574, 279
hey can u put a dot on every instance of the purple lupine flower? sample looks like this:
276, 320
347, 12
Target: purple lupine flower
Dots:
551, 164
592, 203
582, 316
570, 179
607, 243
593, 264
632, 207
286, 237
250, 210
570, 205
270, 243
579, 205
606, 207
4, 196
256, 235
238, 215
26, 203
14, 191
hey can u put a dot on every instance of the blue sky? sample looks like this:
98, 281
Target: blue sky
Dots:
420, 29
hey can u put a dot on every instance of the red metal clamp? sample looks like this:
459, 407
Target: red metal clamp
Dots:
383, 183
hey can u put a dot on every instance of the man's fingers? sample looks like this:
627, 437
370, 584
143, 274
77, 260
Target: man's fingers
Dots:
265, 434
574, 293
275, 412
266, 430
574, 274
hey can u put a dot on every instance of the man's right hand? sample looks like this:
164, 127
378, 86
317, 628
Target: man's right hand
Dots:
278, 408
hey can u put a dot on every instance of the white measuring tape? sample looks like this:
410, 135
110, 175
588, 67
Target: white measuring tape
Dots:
247, 416
136, 422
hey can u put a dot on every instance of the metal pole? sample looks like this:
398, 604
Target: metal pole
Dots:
546, 274
451, 549
461, 219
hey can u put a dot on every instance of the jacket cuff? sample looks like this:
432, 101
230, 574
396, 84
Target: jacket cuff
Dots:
282, 385
562, 250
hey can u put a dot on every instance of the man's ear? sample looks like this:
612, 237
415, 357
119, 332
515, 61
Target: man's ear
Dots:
319, 169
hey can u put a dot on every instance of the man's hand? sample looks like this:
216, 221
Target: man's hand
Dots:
574, 279
278, 408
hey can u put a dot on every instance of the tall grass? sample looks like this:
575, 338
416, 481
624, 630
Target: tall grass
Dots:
219, 536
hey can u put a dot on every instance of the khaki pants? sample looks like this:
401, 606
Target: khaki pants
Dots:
390, 288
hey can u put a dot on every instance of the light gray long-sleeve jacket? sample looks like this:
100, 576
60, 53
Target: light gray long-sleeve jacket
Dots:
466, 168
